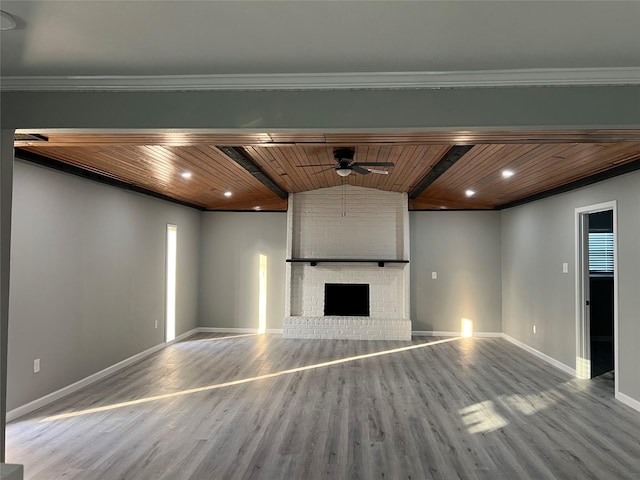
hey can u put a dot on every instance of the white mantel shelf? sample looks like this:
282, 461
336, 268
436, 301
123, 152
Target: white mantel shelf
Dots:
314, 261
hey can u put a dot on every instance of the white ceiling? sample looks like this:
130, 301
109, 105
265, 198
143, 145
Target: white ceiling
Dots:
67, 38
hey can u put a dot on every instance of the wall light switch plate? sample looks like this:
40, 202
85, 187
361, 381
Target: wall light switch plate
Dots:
565, 268
434, 275
36, 365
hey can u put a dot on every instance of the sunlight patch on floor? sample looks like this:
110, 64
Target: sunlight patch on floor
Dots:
528, 404
482, 418
244, 380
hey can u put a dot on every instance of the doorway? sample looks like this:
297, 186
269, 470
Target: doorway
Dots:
597, 291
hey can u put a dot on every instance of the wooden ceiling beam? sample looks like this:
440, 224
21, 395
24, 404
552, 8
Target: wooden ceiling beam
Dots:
70, 139
454, 154
239, 156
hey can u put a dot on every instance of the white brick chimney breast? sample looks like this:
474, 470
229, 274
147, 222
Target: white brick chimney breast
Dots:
348, 223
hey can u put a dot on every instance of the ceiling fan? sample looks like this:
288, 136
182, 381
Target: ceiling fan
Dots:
345, 164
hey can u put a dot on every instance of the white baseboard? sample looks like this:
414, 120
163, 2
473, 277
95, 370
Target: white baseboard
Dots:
487, 334
443, 333
421, 333
434, 333
182, 336
225, 330
234, 330
543, 356
628, 401
64, 391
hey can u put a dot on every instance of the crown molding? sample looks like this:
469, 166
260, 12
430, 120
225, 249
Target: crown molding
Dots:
330, 81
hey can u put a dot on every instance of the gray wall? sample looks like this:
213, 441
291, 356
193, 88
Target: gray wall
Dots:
464, 249
536, 239
87, 278
411, 109
230, 248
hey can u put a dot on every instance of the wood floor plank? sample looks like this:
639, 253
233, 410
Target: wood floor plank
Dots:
264, 407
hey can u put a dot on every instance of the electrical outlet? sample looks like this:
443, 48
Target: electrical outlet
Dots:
565, 268
534, 330
434, 275
36, 365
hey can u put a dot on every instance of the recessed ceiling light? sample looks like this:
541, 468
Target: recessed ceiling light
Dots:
507, 173
469, 193
185, 174
227, 194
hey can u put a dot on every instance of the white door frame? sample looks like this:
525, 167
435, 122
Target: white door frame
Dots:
583, 353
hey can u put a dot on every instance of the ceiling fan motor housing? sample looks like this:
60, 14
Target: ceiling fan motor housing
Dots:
344, 155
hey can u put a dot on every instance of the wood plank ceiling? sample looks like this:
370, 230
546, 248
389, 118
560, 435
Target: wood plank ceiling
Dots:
539, 160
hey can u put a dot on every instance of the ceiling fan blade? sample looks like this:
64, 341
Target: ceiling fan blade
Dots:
360, 170
381, 172
374, 164
324, 170
317, 165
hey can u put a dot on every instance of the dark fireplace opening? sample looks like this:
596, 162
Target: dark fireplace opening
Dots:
346, 299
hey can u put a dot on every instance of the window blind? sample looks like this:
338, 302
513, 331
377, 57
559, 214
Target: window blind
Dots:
601, 252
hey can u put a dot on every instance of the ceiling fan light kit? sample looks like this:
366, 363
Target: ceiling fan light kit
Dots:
343, 172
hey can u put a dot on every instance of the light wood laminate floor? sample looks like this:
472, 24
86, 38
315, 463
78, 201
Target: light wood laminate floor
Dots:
236, 408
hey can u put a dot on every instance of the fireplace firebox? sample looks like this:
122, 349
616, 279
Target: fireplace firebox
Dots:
346, 299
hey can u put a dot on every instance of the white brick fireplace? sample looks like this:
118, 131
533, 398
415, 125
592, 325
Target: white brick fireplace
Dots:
335, 224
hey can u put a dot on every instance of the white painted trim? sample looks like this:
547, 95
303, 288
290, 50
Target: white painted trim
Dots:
196, 330
421, 333
225, 330
559, 365
434, 333
616, 308
275, 331
183, 336
330, 81
628, 401
64, 391
488, 334
442, 333
583, 354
